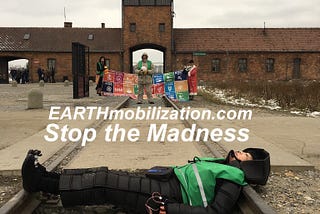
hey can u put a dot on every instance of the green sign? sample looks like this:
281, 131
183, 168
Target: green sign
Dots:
199, 54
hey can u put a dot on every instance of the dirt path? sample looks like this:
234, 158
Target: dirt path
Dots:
287, 192
19, 125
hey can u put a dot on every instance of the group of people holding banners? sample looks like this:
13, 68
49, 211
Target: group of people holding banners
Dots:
145, 83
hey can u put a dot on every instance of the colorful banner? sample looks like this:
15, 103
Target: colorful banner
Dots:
169, 77
180, 75
158, 78
181, 86
169, 88
173, 84
158, 89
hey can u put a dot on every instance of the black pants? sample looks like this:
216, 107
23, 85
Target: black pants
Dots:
99, 85
96, 186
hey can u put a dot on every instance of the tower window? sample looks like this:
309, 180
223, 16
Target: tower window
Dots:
133, 27
162, 27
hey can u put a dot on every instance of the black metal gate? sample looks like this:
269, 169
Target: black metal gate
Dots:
4, 78
80, 70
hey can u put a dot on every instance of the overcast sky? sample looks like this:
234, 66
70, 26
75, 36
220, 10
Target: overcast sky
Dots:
189, 13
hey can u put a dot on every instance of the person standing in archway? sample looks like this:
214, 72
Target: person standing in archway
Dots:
145, 70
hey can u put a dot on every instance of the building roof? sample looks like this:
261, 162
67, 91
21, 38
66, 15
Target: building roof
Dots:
247, 39
186, 40
59, 39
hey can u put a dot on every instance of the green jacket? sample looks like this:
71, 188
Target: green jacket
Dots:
149, 63
144, 79
100, 69
198, 179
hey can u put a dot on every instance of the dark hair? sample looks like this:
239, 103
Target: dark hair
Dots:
191, 61
257, 170
102, 57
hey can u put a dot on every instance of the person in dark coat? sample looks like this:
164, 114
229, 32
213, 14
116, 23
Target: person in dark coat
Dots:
13, 74
101, 66
162, 190
39, 71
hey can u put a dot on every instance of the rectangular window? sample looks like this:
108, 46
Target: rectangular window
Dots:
133, 27
216, 65
26, 36
242, 65
270, 65
108, 63
162, 27
296, 68
90, 37
51, 65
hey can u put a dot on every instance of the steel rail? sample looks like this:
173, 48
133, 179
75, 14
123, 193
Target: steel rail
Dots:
250, 202
25, 202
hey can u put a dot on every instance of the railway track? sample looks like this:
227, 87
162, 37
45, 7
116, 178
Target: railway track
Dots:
24, 202
250, 202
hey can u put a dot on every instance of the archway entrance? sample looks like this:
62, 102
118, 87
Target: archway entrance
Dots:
156, 53
13, 65
19, 70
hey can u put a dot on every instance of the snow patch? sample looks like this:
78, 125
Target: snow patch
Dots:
272, 104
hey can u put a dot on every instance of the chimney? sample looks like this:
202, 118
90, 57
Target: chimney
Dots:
264, 29
68, 24
103, 25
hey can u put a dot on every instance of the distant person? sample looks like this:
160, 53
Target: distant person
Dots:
101, 66
39, 71
13, 74
53, 73
48, 76
18, 76
145, 70
192, 70
24, 76
43, 74
27, 75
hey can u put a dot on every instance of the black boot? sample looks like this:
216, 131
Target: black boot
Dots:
35, 177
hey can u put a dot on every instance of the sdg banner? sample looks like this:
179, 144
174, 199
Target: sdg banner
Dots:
173, 84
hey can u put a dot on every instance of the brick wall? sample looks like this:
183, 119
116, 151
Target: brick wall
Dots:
147, 20
256, 68
283, 67
63, 63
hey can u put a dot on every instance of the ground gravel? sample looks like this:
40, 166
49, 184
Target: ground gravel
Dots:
286, 191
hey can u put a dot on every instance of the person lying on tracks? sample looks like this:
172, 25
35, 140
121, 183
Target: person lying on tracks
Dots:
204, 185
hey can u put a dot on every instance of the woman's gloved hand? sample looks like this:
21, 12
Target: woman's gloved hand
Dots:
156, 204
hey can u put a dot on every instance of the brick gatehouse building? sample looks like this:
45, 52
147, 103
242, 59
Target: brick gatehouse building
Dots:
220, 53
